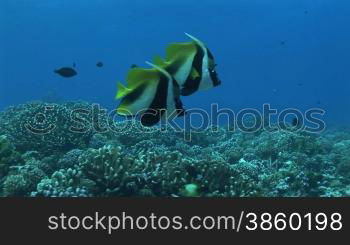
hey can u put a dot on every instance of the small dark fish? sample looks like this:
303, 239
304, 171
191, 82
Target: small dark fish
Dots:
133, 66
66, 72
99, 64
306, 12
300, 84
283, 43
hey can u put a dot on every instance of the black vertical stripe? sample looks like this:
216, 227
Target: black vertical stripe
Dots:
180, 111
155, 111
210, 55
133, 95
212, 72
214, 77
192, 85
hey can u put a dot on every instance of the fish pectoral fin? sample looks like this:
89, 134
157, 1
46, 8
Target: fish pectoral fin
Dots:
122, 90
194, 73
137, 76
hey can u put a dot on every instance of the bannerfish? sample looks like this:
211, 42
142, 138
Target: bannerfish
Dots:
191, 64
66, 72
99, 64
152, 94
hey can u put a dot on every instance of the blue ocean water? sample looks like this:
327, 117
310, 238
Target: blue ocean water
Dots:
292, 53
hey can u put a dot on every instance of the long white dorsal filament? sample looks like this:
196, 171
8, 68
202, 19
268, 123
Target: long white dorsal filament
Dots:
159, 69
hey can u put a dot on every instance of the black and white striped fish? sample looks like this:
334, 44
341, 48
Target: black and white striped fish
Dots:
191, 64
154, 93
151, 94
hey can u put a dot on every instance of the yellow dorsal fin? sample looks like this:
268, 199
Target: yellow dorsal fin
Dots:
176, 50
122, 90
194, 73
137, 76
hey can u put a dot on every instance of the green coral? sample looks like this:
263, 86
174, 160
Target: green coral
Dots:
8, 155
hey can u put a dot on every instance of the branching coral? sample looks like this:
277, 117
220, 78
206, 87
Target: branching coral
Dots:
63, 183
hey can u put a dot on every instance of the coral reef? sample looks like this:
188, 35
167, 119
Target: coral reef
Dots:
48, 127
8, 155
130, 160
63, 183
23, 181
